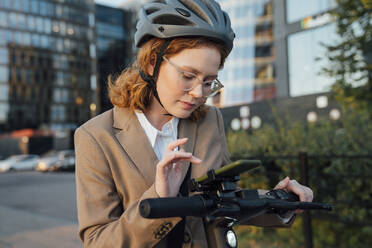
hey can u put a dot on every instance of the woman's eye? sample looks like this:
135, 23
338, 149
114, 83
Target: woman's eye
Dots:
188, 76
208, 84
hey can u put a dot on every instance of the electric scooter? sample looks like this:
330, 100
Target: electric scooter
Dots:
222, 204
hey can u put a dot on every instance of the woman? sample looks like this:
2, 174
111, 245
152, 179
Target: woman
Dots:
159, 126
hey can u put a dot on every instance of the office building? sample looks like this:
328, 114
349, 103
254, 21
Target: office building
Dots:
293, 59
47, 64
300, 29
249, 73
113, 47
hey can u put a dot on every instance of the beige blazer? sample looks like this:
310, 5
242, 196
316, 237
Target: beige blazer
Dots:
115, 170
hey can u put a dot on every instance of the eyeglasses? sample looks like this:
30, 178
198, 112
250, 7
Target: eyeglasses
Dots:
187, 81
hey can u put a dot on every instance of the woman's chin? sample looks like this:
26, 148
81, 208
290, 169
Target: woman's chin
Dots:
182, 114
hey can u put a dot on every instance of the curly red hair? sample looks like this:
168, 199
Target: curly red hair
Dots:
129, 90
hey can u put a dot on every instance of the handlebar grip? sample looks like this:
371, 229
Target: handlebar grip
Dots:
174, 207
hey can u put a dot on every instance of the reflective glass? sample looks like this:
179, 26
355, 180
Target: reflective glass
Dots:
57, 95
25, 5
4, 56
13, 20
47, 26
3, 19
50, 9
31, 23
297, 10
62, 27
27, 39
52, 43
35, 6
5, 4
18, 37
43, 8
303, 50
28, 77
44, 41
39, 24
35, 40
21, 21
17, 5
3, 37
4, 109
4, 92
4, 74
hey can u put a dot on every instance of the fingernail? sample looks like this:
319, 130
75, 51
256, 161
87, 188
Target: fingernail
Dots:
197, 159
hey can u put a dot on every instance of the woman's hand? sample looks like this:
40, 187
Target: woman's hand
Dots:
304, 193
168, 178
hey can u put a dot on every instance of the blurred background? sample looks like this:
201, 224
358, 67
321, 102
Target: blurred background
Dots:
297, 95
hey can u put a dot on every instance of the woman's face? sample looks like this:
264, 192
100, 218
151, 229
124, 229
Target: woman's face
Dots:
203, 62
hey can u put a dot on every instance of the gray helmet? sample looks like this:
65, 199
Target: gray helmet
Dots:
179, 18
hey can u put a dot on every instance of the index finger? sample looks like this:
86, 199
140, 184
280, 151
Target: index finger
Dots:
171, 146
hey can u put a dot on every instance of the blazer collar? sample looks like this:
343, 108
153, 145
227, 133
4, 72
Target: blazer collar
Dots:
136, 144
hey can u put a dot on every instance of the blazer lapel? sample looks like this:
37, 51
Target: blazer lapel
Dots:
187, 129
135, 143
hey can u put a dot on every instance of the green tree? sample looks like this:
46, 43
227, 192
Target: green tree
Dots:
344, 182
350, 60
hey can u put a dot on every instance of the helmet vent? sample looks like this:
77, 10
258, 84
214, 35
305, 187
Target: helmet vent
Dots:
192, 6
171, 20
151, 10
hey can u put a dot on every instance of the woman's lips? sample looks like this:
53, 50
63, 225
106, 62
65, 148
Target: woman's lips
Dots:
187, 105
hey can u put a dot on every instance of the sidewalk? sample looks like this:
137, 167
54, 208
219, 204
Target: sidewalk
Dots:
22, 229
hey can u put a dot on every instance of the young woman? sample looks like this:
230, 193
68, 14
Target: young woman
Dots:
159, 126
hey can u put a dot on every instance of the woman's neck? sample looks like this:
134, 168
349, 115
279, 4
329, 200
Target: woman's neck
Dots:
157, 115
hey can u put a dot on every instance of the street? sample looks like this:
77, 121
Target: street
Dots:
38, 210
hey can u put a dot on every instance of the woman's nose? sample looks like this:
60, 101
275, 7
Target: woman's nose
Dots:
197, 92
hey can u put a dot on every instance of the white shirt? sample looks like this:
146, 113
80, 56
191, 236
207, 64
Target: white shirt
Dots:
159, 139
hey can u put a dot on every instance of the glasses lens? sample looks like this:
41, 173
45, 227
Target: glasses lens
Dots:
187, 81
213, 87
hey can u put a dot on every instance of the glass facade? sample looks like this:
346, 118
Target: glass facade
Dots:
45, 63
112, 47
297, 10
249, 73
306, 59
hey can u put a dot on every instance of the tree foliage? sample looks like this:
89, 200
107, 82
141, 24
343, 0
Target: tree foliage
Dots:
344, 182
350, 60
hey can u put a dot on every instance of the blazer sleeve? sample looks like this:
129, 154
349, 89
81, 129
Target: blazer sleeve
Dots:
103, 220
226, 155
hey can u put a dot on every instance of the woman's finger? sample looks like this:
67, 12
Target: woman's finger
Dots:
171, 146
299, 190
282, 184
176, 156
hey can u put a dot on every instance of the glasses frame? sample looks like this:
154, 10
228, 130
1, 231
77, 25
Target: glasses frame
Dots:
182, 72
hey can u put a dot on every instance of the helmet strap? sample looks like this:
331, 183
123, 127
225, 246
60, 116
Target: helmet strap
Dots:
152, 79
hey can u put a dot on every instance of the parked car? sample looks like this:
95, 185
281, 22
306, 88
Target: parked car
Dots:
47, 161
57, 161
19, 162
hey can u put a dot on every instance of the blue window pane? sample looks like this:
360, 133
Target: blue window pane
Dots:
4, 56
4, 74
303, 50
297, 10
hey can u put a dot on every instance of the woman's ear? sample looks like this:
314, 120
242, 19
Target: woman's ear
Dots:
151, 65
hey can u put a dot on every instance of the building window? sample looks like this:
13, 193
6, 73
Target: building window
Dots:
4, 109
303, 50
297, 10
4, 74
3, 19
4, 92
35, 6
4, 56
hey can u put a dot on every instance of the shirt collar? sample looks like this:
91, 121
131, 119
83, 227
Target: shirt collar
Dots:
168, 129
